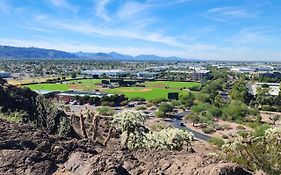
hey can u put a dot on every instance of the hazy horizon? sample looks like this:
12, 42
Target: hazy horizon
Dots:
209, 29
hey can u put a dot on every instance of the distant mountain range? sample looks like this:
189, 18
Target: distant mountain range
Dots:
42, 53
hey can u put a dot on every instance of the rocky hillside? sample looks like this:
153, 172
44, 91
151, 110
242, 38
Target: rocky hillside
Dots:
26, 150
28, 107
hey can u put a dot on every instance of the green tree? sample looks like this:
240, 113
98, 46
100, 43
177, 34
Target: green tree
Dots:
73, 75
165, 108
188, 100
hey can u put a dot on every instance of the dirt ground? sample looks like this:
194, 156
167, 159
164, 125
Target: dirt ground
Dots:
141, 90
265, 115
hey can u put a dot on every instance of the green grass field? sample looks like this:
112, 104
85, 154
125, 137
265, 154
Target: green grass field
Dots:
152, 89
84, 85
150, 94
171, 84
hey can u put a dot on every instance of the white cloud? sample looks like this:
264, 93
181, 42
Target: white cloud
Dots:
101, 9
248, 37
132, 9
64, 4
87, 28
229, 14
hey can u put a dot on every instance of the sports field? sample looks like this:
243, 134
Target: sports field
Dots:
152, 89
87, 84
146, 93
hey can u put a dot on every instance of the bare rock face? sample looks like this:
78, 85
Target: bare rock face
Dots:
25, 162
26, 150
80, 163
223, 169
149, 163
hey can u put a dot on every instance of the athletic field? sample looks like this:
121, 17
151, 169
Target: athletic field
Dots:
87, 84
152, 89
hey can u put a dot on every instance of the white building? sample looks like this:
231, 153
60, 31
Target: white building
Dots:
109, 73
273, 88
4, 74
146, 75
242, 70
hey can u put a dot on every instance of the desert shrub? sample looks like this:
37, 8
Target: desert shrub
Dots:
166, 107
168, 139
149, 104
195, 88
218, 127
253, 124
157, 126
105, 110
208, 130
157, 101
215, 111
124, 103
105, 103
243, 133
140, 108
240, 127
15, 117
216, 141
160, 114
226, 126
257, 153
175, 103
187, 100
260, 130
137, 99
268, 108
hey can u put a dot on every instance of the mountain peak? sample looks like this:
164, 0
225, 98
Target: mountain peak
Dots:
35, 53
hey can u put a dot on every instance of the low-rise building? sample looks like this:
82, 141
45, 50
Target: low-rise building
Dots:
273, 88
146, 75
200, 75
72, 95
242, 70
108, 73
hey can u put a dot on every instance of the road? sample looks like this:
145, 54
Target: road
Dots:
177, 122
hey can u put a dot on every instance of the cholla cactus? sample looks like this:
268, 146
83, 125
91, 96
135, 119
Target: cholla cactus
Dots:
128, 119
136, 140
168, 139
133, 135
130, 122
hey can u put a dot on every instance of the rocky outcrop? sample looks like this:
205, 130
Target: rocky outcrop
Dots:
27, 150
35, 109
143, 162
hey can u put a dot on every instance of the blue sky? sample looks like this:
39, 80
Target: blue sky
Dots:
209, 29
